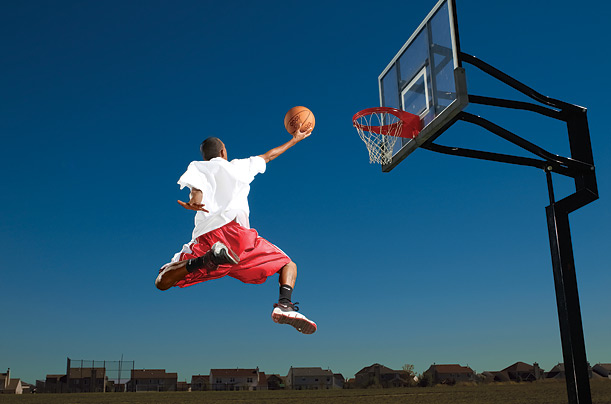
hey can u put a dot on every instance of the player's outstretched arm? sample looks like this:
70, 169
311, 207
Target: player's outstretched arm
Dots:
298, 136
195, 201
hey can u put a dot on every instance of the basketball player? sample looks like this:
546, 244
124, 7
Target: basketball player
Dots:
223, 244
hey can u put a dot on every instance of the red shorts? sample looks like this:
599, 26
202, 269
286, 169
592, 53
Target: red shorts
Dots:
259, 258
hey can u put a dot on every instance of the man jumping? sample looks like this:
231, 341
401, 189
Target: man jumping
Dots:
223, 244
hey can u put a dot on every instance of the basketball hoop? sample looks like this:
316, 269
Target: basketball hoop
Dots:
380, 128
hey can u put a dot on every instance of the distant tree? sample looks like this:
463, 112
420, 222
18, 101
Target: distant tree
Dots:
409, 369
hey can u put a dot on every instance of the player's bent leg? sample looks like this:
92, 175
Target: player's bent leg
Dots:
219, 254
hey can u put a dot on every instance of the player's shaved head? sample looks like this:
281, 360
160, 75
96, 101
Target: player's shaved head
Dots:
211, 148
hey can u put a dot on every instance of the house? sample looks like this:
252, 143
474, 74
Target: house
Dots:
87, 380
200, 382
237, 379
602, 369
309, 379
183, 386
28, 388
53, 384
275, 382
450, 374
558, 372
523, 372
379, 375
338, 381
152, 380
8, 385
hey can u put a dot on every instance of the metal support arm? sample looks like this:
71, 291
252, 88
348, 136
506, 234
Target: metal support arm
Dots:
579, 166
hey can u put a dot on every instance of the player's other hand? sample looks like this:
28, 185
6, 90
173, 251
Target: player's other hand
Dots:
192, 206
298, 135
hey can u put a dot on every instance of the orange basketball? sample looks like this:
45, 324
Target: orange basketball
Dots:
296, 116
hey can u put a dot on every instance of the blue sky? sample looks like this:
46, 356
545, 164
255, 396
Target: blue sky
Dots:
445, 259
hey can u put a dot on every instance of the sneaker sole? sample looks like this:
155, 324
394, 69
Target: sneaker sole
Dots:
302, 325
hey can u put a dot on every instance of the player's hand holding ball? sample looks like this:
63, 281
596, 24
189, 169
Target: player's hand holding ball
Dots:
299, 122
299, 135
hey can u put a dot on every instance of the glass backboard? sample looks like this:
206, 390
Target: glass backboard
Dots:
426, 78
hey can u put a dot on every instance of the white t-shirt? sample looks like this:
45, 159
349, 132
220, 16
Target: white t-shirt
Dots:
225, 186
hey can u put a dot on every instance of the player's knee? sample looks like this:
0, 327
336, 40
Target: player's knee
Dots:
291, 267
162, 282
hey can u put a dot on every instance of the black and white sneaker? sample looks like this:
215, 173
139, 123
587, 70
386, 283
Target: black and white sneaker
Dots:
286, 313
220, 254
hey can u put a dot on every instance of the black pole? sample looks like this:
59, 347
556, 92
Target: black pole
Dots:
567, 299
579, 166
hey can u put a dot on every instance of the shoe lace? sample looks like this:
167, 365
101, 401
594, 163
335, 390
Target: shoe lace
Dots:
292, 305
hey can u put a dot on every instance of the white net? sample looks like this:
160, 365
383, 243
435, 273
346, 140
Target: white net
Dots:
379, 131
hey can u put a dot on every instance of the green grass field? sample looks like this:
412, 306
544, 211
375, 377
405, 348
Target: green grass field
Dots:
539, 393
